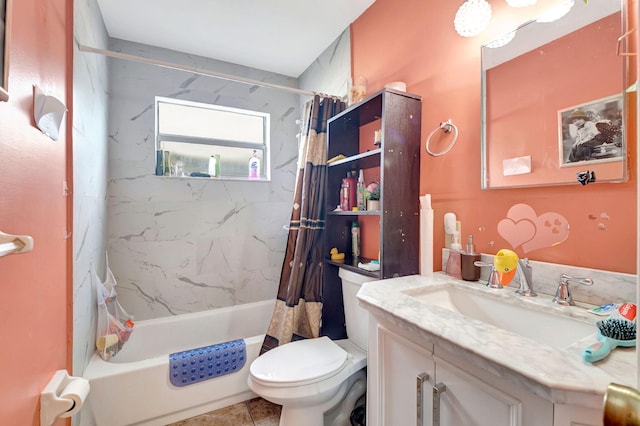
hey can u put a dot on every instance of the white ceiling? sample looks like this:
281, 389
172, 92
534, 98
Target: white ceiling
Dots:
281, 36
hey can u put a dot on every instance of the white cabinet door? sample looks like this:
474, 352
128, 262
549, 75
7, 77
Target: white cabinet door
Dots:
567, 415
405, 382
402, 376
480, 400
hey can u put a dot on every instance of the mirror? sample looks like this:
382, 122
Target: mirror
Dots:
4, 33
553, 103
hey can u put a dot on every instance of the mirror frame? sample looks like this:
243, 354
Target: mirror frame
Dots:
612, 170
5, 14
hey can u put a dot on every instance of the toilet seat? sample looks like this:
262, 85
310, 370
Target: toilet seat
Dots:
299, 363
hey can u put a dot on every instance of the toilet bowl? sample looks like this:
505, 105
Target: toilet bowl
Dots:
309, 378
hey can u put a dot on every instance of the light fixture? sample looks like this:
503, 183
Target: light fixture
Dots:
521, 3
502, 40
472, 18
556, 12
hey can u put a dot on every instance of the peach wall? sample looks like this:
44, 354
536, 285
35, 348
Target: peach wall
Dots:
414, 41
35, 314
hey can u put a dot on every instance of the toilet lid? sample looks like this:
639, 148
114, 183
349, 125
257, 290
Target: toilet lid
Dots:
301, 361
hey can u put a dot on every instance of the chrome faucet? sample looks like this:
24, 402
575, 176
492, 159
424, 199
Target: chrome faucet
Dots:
563, 294
492, 281
525, 278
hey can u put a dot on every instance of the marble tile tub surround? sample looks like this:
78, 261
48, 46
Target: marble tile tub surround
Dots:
179, 245
558, 375
90, 144
608, 287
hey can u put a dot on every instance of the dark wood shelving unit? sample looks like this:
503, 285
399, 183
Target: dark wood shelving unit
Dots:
398, 160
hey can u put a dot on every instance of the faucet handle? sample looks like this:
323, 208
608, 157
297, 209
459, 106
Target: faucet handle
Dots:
525, 278
563, 294
492, 281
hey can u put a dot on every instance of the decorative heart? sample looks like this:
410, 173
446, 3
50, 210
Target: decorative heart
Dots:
516, 233
554, 232
523, 227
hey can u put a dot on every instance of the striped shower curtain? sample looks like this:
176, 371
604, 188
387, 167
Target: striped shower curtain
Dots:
298, 309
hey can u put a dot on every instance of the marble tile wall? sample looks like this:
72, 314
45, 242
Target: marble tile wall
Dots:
90, 86
179, 245
330, 72
608, 287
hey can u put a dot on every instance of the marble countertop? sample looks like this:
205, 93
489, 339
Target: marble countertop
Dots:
557, 374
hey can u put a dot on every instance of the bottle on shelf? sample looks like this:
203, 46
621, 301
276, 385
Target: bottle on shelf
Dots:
214, 166
353, 190
361, 192
355, 239
344, 194
254, 166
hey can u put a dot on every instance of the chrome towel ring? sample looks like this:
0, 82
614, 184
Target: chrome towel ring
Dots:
447, 127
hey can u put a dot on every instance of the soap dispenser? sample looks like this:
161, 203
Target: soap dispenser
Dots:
469, 271
454, 261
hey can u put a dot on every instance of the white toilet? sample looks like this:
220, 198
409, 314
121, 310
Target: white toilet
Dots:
316, 376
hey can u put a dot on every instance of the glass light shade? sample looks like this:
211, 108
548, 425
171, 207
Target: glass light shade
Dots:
501, 41
521, 3
472, 18
556, 12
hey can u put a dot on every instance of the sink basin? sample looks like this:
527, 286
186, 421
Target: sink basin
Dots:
508, 313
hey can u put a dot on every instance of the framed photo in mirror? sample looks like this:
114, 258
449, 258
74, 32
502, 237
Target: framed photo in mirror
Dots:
591, 132
5, 23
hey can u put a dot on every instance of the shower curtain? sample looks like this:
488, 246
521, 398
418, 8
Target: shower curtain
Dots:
298, 309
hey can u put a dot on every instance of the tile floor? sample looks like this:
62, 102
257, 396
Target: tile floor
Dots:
255, 412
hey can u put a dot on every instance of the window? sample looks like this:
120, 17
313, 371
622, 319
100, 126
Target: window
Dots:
189, 134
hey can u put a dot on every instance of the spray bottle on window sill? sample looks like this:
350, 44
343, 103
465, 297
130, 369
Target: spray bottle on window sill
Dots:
254, 166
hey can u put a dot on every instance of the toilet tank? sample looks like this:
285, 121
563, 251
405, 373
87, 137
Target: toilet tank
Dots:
356, 318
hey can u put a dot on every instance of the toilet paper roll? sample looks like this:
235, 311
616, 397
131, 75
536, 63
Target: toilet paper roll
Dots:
76, 390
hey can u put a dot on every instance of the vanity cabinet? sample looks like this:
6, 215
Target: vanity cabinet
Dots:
381, 136
423, 384
572, 415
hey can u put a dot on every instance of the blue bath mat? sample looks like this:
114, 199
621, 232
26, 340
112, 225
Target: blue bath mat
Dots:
197, 365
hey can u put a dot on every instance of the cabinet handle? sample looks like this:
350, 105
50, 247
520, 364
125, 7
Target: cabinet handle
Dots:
437, 390
420, 379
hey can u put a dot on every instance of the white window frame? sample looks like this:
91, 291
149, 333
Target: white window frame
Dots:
264, 147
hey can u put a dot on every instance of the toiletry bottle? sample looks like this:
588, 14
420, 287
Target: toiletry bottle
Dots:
353, 190
213, 166
254, 166
469, 271
361, 191
344, 194
454, 267
355, 239
450, 226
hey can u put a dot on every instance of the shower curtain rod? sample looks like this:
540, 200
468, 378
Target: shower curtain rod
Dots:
200, 71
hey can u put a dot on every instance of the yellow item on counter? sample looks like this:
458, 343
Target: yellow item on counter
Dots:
505, 263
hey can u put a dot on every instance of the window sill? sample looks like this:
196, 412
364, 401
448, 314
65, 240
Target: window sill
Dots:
222, 178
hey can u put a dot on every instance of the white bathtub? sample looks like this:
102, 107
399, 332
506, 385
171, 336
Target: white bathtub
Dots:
133, 388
